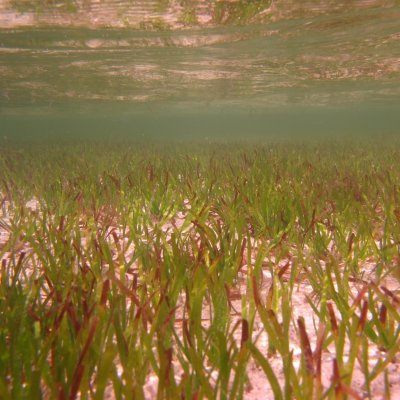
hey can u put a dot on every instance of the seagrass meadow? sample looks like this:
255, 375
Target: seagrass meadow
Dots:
135, 268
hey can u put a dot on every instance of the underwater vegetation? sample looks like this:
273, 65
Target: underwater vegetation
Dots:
140, 269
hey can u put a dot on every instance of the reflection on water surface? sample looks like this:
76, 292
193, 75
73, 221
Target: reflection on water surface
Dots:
200, 55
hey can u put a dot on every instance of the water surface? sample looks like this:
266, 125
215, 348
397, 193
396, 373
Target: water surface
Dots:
285, 67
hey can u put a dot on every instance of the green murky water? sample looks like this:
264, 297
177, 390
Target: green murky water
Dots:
202, 68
